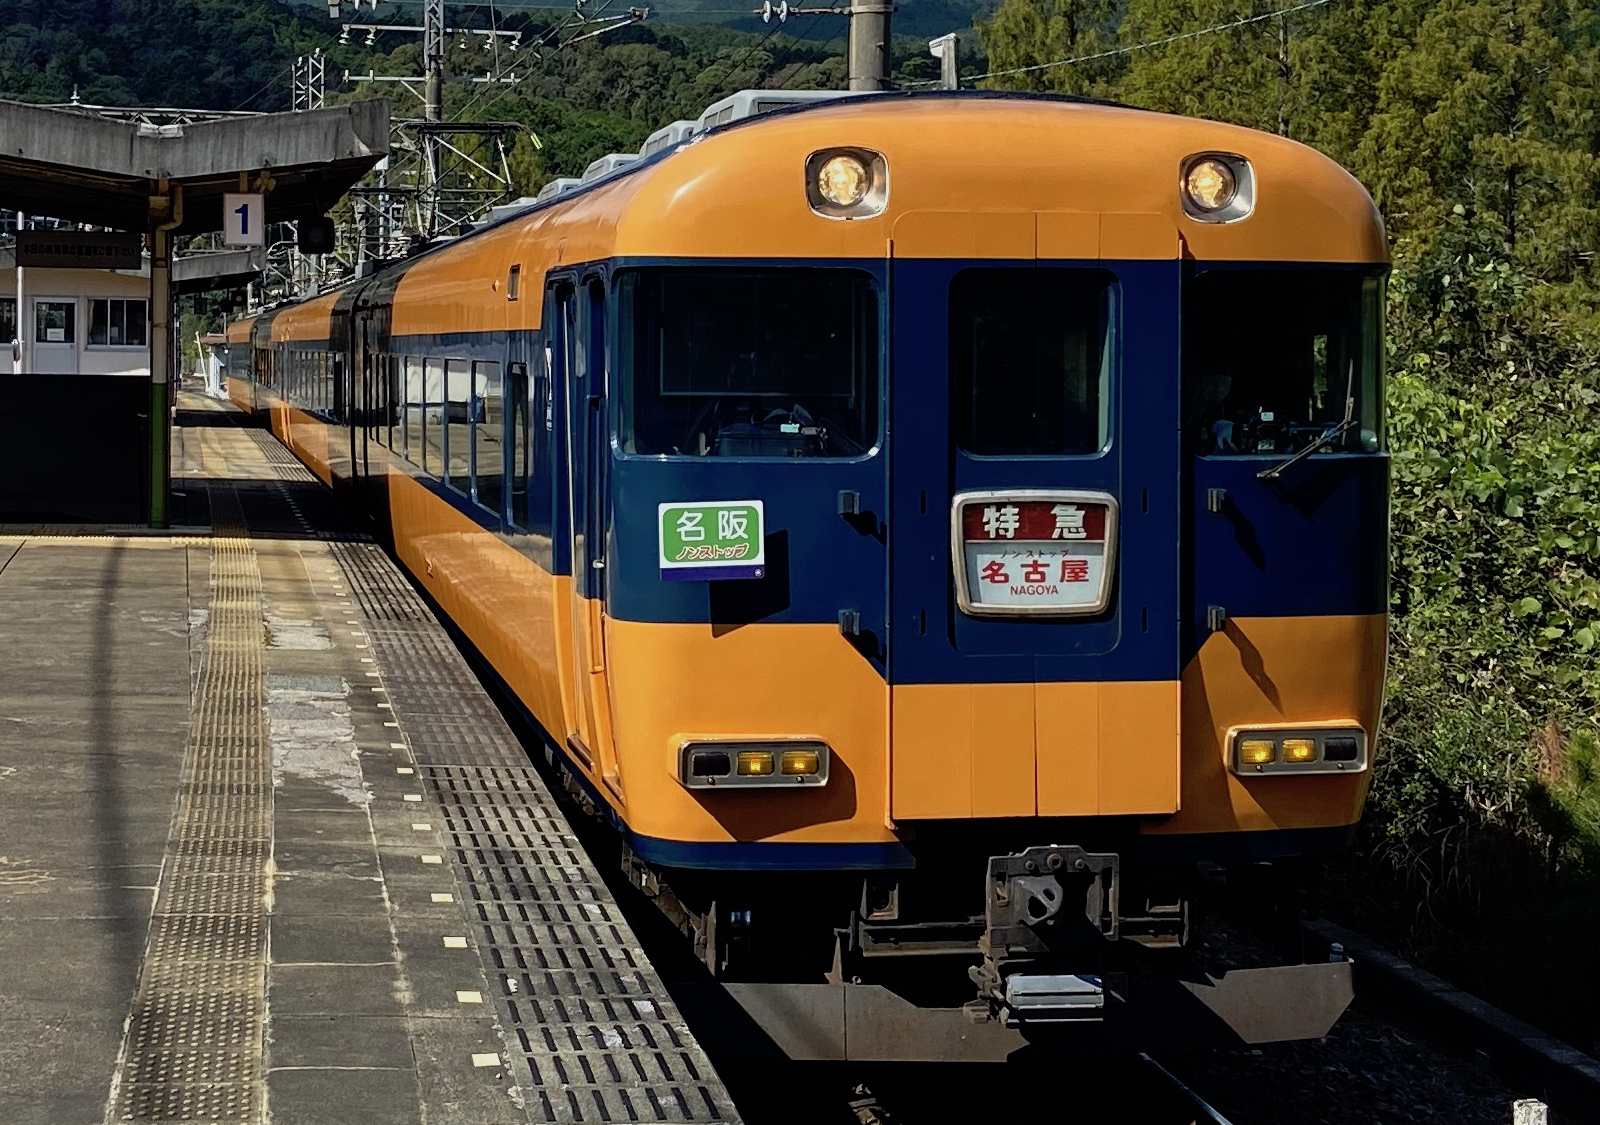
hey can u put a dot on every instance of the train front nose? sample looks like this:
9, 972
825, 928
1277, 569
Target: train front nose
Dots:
1034, 532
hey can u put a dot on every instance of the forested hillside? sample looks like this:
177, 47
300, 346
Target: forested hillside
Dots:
1474, 124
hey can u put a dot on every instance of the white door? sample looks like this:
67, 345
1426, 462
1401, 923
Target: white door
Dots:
55, 335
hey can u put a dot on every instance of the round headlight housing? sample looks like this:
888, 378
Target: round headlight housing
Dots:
847, 183
843, 180
1217, 187
1210, 184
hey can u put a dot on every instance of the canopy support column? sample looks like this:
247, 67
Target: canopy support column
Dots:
166, 213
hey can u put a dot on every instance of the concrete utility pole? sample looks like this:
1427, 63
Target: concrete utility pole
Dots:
869, 45
869, 52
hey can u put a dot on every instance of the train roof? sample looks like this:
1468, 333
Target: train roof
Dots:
972, 174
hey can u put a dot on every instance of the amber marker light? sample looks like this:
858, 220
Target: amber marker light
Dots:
801, 763
755, 763
1299, 749
1257, 751
746, 765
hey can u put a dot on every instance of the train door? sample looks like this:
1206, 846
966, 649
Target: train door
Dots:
1034, 532
581, 353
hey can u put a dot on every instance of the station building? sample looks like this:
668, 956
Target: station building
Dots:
75, 321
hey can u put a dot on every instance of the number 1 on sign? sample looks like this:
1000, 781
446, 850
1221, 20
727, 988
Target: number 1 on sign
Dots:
244, 219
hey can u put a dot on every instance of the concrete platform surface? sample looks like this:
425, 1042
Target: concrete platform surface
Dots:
245, 868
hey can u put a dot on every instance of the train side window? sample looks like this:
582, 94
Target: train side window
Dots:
389, 376
517, 379
457, 415
433, 417
1031, 355
514, 282
416, 407
488, 426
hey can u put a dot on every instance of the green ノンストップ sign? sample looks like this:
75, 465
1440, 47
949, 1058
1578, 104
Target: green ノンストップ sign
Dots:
702, 541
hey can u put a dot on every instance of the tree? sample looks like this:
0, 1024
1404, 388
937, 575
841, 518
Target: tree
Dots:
1036, 33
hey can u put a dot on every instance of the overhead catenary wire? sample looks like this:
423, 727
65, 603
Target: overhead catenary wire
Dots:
1130, 49
826, 43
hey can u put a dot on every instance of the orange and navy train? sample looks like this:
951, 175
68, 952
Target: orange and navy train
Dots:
923, 525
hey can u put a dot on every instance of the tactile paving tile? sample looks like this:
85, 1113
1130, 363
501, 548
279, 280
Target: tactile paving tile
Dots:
577, 999
195, 1035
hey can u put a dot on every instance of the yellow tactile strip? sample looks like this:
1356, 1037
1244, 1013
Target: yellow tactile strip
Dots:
194, 1040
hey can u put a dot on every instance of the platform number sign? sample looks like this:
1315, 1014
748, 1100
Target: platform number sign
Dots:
243, 220
701, 542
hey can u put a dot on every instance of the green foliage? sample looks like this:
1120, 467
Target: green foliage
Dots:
1476, 125
220, 54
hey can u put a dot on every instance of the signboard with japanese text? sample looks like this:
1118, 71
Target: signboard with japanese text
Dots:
243, 219
1034, 552
715, 539
70, 249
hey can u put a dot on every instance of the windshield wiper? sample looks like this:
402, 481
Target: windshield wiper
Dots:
1330, 435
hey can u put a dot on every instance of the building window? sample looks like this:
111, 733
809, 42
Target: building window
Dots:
54, 322
8, 319
117, 323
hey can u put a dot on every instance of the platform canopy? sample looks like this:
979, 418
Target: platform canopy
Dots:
75, 165
165, 180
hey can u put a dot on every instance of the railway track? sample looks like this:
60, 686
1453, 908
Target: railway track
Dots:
1122, 1090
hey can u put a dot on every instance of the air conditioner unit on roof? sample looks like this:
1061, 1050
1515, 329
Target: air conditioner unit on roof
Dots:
506, 210
666, 137
556, 187
750, 103
607, 164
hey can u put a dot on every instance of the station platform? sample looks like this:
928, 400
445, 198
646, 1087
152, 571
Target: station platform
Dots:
269, 852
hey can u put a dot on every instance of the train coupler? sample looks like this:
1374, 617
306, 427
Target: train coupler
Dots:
1046, 909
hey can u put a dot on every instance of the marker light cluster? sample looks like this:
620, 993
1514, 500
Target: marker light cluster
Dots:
1329, 750
847, 183
1217, 187
750, 765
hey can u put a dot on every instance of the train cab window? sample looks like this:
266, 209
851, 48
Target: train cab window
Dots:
1276, 361
1031, 354
749, 363
488, 424
457, 414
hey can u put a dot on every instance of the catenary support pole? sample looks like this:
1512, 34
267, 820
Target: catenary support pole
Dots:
869, 45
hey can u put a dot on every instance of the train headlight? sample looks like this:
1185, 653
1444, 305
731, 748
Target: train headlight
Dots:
1320, 751
847, 183
1217, 187
843, 180
741, 764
